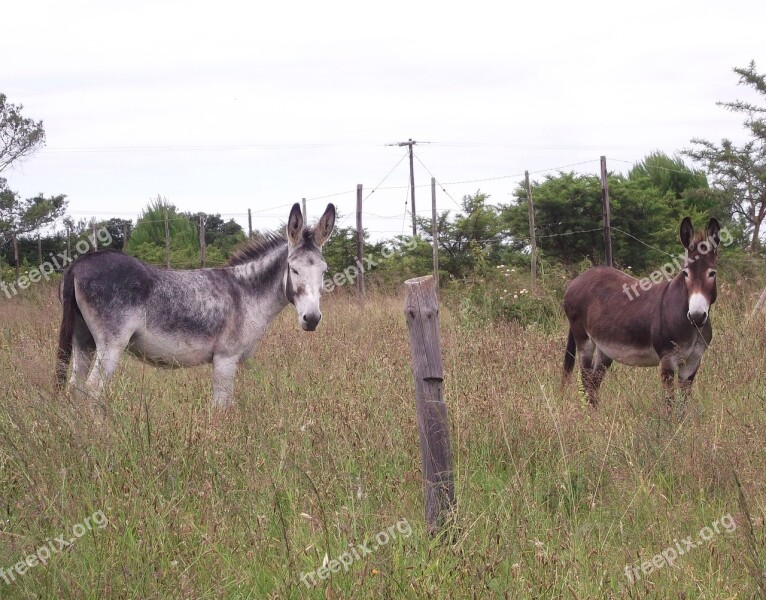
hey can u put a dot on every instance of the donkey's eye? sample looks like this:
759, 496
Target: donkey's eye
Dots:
711, 273
293, 271
685, 273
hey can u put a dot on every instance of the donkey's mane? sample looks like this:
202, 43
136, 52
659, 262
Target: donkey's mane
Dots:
262, 244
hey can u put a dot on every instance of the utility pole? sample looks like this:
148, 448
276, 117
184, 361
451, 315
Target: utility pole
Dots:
410, 143
305, 214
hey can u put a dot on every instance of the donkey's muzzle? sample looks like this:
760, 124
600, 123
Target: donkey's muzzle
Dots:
698, 319
310, 322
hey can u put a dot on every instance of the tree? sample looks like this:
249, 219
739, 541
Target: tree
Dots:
470, 241
19, 137
740, 171
568, 219
224, 235
18, 217
147, 240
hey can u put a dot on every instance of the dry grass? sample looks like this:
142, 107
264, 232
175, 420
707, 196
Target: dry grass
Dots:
321, 451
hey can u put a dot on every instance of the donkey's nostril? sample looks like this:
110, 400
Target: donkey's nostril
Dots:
305, 319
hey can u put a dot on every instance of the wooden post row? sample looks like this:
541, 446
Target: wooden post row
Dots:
421, 310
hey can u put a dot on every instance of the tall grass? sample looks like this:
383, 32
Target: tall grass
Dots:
321, 451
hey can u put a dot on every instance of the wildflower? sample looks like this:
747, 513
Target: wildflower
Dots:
515, 296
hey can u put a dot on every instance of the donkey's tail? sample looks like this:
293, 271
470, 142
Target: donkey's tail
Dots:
569, 356
64, 354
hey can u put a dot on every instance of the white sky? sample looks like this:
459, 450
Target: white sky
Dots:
226, 106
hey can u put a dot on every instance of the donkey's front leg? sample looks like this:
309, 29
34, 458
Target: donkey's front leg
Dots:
224, 373
667, 374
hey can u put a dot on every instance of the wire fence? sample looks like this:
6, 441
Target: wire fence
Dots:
278, 211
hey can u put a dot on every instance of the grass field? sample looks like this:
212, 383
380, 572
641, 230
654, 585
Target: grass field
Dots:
320, 455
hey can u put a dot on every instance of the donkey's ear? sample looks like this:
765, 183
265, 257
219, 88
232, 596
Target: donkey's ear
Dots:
325, 226
687, 232
713, 232
295, 225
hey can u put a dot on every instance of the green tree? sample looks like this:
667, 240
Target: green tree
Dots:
468, 243
147, 240
568, 219
19, 136
739, 171
220, 234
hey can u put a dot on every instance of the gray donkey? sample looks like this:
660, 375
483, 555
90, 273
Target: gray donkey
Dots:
113, 302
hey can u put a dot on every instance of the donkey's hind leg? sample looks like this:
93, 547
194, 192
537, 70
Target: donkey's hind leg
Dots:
107, 359
601, 362
83, 347
587, 351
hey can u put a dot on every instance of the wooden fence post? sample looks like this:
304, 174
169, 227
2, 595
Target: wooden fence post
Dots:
202, 243
124, 236
16, 255
435, 233
759, 304
421, 310
359, 243
167, 239
532, 240
249, 225
606, 214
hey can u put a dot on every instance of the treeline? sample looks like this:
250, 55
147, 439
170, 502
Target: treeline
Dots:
709, 179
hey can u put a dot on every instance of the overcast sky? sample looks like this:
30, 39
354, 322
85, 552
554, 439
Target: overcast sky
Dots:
226, 106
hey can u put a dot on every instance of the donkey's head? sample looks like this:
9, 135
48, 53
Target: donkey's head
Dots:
699, 268
305, 266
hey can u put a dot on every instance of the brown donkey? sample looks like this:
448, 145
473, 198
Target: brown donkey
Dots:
613, 316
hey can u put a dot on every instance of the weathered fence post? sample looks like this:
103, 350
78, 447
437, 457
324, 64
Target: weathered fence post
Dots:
434, 232
167, 239
421, 310
606, 213
532, 240
15, 242
202, 243
759, 304
359, 242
